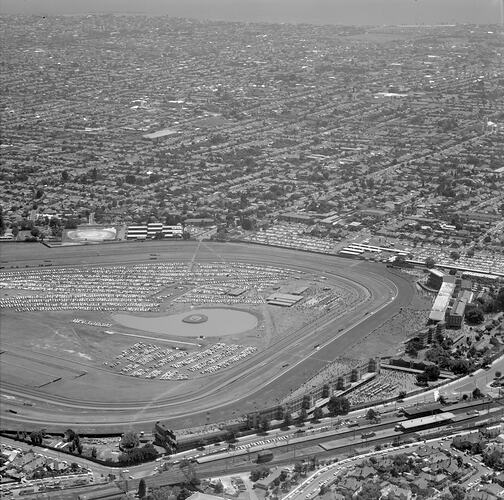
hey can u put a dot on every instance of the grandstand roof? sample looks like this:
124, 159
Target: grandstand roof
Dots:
442, 301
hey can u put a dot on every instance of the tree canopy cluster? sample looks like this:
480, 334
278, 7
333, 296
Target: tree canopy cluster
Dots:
338, 405
259, 473
139, 455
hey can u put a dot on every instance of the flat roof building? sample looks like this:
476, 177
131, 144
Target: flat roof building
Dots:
442, 302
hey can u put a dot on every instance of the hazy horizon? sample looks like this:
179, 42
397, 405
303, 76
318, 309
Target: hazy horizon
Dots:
296, 11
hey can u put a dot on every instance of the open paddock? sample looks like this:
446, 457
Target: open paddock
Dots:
32, 371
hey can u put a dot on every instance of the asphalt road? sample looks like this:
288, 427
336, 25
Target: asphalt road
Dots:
258, 382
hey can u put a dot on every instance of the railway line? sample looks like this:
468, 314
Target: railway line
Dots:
336, 440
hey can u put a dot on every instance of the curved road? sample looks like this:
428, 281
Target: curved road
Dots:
256, 383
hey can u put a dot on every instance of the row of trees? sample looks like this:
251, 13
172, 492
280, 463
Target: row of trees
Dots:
337, 405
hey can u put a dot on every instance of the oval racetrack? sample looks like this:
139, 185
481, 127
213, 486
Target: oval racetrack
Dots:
257, 382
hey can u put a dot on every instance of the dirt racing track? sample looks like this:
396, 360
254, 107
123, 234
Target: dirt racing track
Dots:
100, 401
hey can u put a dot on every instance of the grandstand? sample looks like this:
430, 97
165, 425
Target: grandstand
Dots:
136, 232
442, 301
153, 228
347, 252
149, 231
357, 249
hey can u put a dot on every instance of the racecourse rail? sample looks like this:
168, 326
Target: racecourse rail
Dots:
236, 391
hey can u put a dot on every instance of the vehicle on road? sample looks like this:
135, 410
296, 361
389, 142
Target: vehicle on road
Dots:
367, 435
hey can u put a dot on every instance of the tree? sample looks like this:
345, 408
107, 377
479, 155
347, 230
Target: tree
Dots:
401, 395
265, 425
372, 415
129, 440
325, 391
494, 458
430, 262
302, 415
474, 315
138, 455
142, 488
485, 362
400, 260
432, 372
247, 224
457, 492
477, 394
259, 472
2, 222
369, 491
219, 487
454, 255
287, 419
317, 414
413, 346
94, 452
71, 223
422, 379
338, 405
70, 435
461, 366
35, 232
36, 437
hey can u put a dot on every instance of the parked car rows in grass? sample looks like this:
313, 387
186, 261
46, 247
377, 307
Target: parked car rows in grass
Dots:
151, 361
